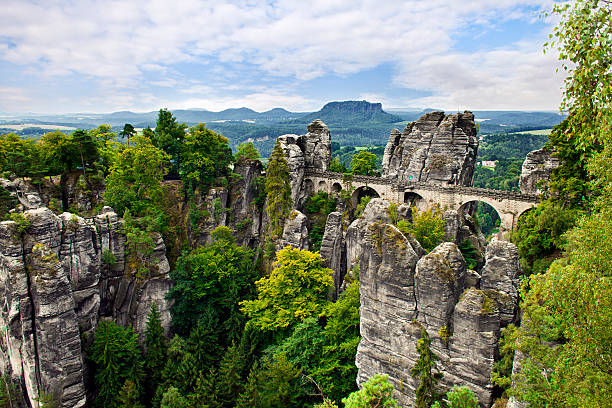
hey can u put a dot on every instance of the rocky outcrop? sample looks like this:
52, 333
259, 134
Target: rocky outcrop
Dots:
311, 150
246, 202
404, 290
471, 351
41, 344
81, 260
333, 250
295, 231
536, 171
317, 146
440, 279
57, 278
437, 148
57, 338
212, 212
500, 277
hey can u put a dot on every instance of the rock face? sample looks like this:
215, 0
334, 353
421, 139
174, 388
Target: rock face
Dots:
246, 206
536, 171
500, 277
333, 250
312, 150
404, 290
295, 231
317, 151
57, 278
437, 148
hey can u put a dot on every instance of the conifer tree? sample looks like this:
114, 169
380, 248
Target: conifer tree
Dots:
129, 396
426, 373
278, 191
156, 348
230, 384
250, 397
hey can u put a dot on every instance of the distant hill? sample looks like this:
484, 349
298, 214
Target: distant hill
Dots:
349, 113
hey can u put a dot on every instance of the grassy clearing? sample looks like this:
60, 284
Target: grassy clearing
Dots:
535, 132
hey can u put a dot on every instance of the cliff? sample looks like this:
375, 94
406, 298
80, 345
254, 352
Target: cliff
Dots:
437, 148
402, 290
56, 283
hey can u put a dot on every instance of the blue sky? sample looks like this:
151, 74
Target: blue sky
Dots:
102, 56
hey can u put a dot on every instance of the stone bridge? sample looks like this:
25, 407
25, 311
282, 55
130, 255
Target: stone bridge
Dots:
508, 204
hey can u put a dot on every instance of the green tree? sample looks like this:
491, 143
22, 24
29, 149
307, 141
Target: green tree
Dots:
250, 397
428, 227
364, 163
246, 151
212, 278
127, 132
173, 399
9, 395
134, 181
85, 147
155, 349
336, 166
116, 353
459, 397
426, 373
205, 156
336, 373
296, 289
230, 382
169, 136
376, 392
21, 157
58, 152
278, 191
129, 396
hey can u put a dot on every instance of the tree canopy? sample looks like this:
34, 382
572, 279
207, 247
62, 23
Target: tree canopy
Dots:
296, 289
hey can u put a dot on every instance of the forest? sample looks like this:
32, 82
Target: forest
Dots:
256, 327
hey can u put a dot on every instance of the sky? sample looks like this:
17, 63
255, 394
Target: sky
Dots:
142, 55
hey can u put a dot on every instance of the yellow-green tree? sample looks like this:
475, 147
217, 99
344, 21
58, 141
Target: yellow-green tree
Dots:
296, 289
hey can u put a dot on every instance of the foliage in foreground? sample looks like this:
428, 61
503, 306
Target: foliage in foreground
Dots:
296, 289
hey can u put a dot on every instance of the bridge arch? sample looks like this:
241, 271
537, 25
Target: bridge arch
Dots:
361, 192
308, 187
336, 187
414, 200
322, 186
490, 218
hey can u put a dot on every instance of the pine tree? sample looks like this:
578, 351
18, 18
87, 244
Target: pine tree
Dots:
156, 348
129, 396
230, 384
204, 395
250, 397
278, 190
426, 373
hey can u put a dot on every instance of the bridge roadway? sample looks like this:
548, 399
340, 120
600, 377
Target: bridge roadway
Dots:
508, 204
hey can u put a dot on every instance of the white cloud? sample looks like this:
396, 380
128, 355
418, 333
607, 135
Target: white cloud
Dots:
119, 43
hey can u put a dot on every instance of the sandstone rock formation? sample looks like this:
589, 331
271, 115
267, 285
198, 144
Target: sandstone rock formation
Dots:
295, 231
56, 281
312, 150
246, 206
333, 250
536, 171
437, 148
403, 290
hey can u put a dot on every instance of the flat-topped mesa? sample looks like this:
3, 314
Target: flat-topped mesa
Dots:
437, 149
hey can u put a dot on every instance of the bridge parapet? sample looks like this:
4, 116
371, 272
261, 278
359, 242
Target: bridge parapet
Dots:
451, 189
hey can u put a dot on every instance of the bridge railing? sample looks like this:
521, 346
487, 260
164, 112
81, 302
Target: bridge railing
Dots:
404, 186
